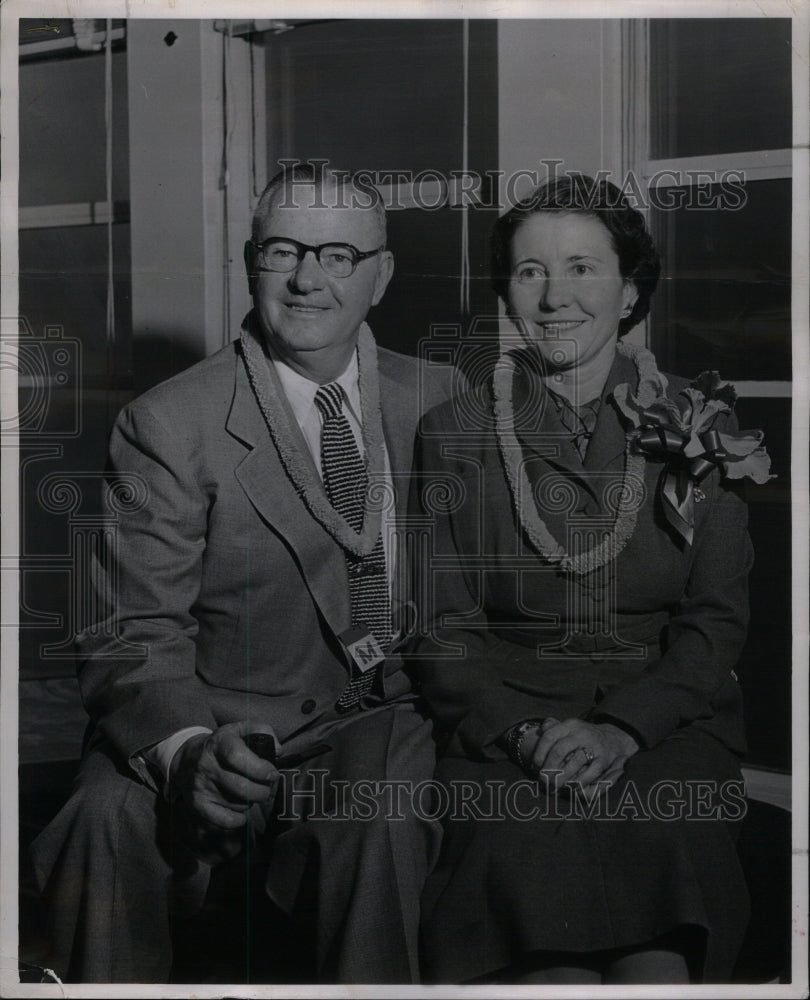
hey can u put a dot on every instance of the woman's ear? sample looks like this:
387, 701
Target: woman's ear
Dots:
629, 297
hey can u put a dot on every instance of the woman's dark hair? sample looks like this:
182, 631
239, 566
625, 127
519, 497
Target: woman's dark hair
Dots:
638, 259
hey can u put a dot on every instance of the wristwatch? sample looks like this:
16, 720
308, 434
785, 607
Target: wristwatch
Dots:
514, 738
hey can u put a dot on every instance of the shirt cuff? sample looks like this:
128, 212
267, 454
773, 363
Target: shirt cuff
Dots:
161, 755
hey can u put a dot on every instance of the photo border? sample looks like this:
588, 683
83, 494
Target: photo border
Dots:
550, 9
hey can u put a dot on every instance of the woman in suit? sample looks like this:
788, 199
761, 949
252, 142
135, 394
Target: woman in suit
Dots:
582, 610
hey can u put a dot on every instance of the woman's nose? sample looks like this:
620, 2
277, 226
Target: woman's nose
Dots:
555, 294
308, 274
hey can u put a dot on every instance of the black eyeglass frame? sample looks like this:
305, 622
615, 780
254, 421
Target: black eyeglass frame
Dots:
304, 248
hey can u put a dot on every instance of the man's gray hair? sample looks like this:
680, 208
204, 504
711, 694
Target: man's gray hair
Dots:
327, 187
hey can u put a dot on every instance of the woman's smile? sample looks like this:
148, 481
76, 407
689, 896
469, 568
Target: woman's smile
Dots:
555, 327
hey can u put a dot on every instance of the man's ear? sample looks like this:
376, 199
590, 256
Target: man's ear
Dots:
385, 269
251, 274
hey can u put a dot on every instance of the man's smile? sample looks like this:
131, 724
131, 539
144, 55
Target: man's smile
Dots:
305, 307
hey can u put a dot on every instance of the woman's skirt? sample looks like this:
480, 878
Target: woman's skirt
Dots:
523, 872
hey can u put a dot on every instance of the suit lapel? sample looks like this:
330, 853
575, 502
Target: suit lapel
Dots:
607, 445
269, 489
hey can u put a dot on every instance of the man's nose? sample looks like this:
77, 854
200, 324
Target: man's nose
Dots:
556, 293
308, 273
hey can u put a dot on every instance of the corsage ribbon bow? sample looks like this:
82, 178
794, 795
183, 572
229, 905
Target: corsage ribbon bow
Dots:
681, 434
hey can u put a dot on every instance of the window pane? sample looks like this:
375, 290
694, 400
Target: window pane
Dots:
63, 282
724, 298
719, 86
426, 285
315, 107
62, 133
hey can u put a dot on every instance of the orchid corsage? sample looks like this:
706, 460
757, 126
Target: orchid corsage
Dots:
681, 432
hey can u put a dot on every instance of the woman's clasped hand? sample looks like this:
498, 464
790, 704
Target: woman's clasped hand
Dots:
575, 754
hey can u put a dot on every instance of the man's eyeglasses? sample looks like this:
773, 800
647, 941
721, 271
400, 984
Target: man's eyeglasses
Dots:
338, 260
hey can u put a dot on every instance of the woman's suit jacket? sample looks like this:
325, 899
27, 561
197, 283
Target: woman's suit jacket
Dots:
649, 642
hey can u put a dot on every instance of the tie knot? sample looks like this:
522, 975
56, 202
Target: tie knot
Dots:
329, 400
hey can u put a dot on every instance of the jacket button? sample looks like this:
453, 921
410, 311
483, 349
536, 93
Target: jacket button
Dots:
308, 706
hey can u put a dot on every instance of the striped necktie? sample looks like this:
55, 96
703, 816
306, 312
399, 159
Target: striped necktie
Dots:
345, 481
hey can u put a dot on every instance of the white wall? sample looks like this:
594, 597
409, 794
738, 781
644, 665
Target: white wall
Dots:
560, 98
189, 214
559, 95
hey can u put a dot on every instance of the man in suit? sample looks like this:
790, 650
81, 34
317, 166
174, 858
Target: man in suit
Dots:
247, 597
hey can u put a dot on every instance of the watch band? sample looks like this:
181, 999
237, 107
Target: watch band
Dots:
514, 738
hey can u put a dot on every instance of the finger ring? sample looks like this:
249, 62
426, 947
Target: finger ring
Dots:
589, 754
